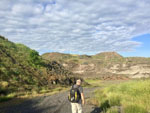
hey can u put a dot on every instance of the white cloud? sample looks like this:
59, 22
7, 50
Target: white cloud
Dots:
77, 26
27, 9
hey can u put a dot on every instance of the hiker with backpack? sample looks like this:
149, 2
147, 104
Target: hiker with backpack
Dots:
76, 97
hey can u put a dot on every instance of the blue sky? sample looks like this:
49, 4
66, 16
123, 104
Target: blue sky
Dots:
143, 50
78, 26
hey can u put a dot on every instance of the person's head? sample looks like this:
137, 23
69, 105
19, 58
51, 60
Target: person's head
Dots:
78, 82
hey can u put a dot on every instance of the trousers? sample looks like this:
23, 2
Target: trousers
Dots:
76, 107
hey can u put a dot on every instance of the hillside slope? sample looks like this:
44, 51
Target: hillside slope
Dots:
22, 69
105, 65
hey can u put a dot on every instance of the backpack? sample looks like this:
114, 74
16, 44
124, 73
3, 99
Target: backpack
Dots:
74, 95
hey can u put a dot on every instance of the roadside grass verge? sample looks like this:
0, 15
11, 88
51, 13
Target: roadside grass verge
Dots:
97, 82
19, 97
131, 97
7, 97
113, 110
9, 94
44, 91
93, 82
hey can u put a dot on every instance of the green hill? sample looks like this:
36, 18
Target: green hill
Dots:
23, 69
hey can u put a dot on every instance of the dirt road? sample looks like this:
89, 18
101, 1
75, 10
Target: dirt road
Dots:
57, 103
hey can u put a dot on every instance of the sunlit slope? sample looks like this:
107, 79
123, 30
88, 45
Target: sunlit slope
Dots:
21, 68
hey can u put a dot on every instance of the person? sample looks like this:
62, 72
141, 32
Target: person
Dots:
77, 107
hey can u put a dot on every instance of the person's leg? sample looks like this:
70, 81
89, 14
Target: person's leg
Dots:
74, 107
79, 107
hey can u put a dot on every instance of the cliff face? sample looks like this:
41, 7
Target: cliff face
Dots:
104, 64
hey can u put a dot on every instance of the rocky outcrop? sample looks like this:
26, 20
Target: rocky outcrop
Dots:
135, 71
104, 64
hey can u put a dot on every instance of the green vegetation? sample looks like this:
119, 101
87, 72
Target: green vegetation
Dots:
7, 97
94, 82
132, 97
24, 70
112, 110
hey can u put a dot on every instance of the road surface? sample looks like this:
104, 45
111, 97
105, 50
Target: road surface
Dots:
57, 103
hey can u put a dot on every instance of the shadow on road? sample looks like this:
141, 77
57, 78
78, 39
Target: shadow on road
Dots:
104, 106
96, 110
28, 106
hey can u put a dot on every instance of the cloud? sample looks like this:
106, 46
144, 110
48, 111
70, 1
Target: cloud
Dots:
27, 10
76, 26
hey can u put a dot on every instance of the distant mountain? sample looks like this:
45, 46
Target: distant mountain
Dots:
104, 65
21, 68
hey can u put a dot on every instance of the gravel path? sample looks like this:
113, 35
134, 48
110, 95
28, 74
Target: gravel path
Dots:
57, 103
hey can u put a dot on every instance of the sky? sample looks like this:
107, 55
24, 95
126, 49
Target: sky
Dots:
143, 50
78, 26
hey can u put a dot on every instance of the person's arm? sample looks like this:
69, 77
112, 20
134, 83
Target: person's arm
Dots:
82, 97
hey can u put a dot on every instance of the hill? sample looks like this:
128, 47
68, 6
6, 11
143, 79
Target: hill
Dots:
108, 55
23, 69
106, 65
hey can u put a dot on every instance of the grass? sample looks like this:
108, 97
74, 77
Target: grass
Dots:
113, 110
11, 98
7, 97
132, 96
35, 92
134, 109
94, 82
44, 91
18, 98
